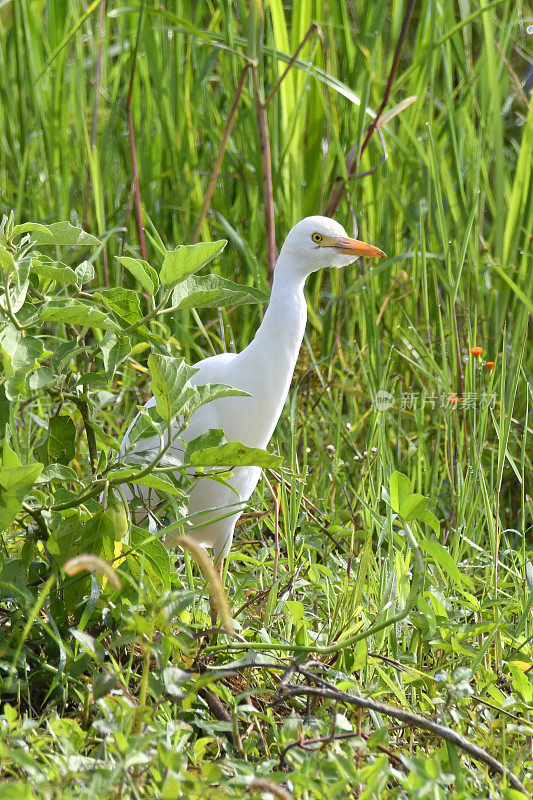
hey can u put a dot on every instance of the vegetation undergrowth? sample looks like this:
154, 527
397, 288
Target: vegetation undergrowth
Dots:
401, 467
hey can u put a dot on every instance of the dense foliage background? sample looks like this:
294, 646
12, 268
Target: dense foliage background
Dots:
109, 691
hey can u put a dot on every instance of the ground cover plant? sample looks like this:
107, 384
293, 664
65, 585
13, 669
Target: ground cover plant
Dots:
385, 649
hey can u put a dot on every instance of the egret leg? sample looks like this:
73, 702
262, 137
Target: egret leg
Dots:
219, 566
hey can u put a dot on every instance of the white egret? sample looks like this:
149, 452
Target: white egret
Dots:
263, 369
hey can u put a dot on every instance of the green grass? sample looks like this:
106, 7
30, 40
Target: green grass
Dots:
452, 208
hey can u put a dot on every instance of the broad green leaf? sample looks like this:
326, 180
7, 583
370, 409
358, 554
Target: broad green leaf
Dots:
148, 423
63, 355
57, 472
9, 457
115, 349
72, 538
24, 359
360, 655
10, 505
295, 609
13, 573
7, 262
235, 454
212, 291
64, 543
185, 260
212, 391
103, 437
124, 302
76, 313
61, 440
145, 274
18, 291
16, 386
28, 351
400, 487
212, 438
63, 233
430, 519
41, 378
154, 552
160, 483
92, 379
412, 506
521, 683
53, 270
84, 272
30, 227
9, 339
441, 555
170, 384
15, 484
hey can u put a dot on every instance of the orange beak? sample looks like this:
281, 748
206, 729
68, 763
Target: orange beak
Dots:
353, 247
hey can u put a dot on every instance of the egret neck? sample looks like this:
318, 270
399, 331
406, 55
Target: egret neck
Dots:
273, 352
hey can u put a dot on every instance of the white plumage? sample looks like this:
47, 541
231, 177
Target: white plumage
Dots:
264, 369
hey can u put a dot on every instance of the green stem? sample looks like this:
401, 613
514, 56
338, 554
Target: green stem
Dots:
151, 315
83, 408
37, 516
8, 311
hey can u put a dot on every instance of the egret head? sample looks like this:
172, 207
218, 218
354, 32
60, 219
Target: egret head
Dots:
318, 242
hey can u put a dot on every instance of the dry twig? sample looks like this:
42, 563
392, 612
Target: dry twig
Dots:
221, 151
325, 690
338, 192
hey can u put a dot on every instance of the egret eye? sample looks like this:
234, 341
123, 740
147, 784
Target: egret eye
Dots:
317, 237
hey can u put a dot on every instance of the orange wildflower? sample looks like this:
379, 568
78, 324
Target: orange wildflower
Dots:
476, 351
490, 365
454, 400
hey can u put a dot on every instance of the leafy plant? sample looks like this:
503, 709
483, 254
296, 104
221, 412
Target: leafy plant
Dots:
66, 344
